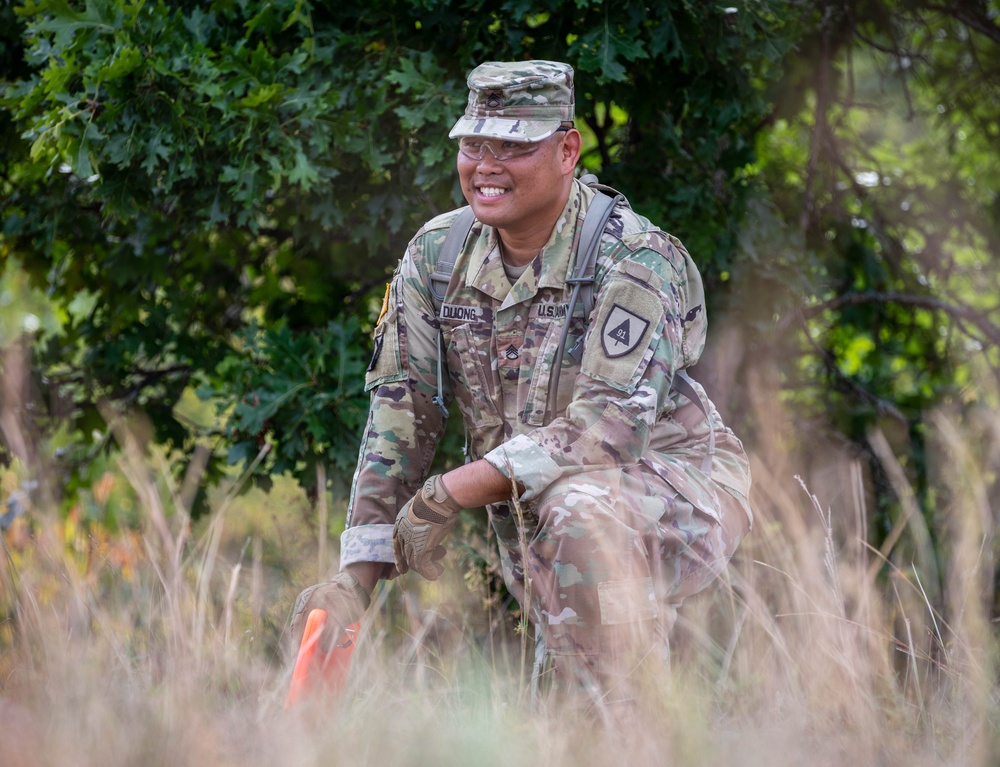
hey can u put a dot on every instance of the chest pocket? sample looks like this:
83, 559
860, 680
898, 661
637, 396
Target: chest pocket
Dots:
472, 383
536, 399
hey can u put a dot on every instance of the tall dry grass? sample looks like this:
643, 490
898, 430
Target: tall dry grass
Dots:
164, 645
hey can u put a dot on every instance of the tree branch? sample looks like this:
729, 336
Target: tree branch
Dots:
976, 21
144, 378
600, 130
882, 406
964, 314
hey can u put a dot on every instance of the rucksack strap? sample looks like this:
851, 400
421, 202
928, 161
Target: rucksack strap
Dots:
437, 284
594, 222
596, 219
454, 241
590, 240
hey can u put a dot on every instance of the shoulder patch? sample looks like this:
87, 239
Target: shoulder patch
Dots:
622, 331
628, 326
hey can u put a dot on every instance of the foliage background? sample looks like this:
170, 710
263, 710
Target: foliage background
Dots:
200, 204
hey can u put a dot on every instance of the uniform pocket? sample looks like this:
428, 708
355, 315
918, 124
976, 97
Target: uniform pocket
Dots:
537, 397
538, 388
688, 482
472, 386
386, 364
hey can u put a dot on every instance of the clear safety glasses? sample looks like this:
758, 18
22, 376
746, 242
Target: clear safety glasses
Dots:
474, 148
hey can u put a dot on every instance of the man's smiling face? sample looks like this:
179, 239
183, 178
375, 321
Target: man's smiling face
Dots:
523, 192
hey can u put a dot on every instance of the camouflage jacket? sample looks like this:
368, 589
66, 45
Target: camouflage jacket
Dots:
615, 405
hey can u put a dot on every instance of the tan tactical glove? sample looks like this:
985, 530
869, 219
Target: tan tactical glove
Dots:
345, 601
421, 525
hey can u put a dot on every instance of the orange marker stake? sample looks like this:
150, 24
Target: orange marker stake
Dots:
315, 669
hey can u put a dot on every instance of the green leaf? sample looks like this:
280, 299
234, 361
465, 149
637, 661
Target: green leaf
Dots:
407, 78
124, 61
263, 94
303, 173
63, 22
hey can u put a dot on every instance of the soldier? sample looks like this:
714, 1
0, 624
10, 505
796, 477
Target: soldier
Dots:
630, 492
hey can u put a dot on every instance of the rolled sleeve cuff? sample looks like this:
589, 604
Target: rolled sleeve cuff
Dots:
531, 467
366, 543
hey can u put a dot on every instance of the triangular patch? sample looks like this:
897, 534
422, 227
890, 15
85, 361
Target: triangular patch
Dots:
620, 334
622, 331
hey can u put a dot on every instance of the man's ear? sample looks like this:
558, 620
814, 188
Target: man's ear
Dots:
570, 150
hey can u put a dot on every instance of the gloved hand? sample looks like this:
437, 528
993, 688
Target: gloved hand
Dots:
345, 601
421, 525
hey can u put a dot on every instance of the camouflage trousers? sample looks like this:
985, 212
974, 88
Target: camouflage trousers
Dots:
601, 562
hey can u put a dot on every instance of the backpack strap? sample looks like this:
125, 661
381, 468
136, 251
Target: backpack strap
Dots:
598, 213
594, 222
590, 239
437, 284
454, 241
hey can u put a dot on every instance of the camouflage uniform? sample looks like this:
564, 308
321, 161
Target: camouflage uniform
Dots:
615, 513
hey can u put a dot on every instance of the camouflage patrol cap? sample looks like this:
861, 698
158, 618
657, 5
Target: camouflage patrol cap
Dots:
517, 100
